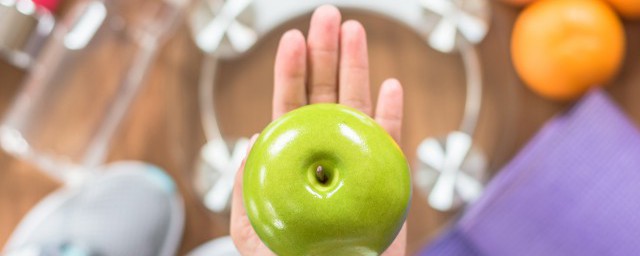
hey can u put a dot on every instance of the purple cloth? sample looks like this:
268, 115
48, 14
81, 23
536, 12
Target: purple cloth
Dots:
573, 190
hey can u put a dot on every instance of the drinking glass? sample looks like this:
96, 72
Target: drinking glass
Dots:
83, 82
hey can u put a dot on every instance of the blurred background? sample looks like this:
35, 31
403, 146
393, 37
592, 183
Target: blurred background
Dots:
163, 125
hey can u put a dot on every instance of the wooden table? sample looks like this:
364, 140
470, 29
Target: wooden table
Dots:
163, 126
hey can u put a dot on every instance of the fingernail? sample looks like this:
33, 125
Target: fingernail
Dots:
392, 82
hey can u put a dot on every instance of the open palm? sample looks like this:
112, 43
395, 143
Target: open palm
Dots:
331, 66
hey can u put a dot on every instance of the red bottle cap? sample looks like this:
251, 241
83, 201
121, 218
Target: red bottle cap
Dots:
50, 5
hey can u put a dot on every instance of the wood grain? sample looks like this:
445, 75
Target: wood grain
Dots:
163, 126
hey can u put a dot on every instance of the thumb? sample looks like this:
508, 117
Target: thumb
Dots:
241, 230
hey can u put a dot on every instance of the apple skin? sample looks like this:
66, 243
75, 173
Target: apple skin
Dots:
358, 210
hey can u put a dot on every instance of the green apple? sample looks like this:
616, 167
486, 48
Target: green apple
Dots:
326, 179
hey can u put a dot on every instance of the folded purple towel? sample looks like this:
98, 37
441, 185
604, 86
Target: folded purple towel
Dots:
573, 190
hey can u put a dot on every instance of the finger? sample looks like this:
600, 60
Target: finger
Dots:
390, 107
322, 42
289, 74
399, 245
354, 67
244, 237
237, 207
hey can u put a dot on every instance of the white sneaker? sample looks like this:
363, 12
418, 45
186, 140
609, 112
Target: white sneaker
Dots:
132, 208
222, 246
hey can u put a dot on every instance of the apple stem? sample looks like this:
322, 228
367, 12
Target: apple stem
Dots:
320, 175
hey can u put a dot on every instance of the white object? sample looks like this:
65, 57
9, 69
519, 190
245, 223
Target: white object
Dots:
216, 173
446, 25
222, 246
456, 20
131, 209
451, 171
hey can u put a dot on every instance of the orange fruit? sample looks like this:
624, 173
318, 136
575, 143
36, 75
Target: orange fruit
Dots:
627, 8
562, 48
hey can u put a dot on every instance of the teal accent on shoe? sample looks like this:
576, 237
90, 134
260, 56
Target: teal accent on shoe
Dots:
162, 179
71, 250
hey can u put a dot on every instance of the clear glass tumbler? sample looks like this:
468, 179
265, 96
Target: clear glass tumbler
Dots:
83, 83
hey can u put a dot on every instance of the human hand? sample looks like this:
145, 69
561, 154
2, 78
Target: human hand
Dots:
332, 66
